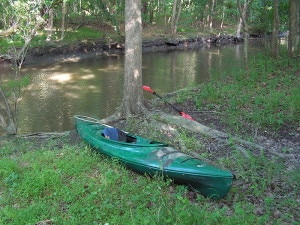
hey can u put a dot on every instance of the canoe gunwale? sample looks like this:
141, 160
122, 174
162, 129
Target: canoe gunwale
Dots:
94, 121
90, 120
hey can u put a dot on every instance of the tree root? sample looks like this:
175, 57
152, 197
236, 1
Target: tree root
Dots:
239, 144
45, 135
123, 112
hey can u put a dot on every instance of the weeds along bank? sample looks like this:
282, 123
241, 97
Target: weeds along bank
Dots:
75, 185
267, 98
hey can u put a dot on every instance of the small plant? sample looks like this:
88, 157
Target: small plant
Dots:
10, 94
190, 142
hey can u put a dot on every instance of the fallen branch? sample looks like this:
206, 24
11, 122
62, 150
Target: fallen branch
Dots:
46, 135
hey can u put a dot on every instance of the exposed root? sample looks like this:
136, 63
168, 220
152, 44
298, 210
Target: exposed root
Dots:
45, 135
112, 118
124, 112
168, 129
238, 143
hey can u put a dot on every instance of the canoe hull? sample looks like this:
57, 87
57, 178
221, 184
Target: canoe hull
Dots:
145, 156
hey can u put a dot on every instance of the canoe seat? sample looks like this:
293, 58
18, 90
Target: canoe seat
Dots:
130, 139
117, 135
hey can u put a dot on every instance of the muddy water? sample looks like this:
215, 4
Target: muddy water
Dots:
93, 86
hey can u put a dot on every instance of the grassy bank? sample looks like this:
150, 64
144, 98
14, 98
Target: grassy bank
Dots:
74, 185
267, 98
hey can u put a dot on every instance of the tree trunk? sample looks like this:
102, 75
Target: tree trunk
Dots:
243, 16
243, 23
50, 25
178, 15
11, 127
239, 29
222, 21
177, 5
211, 15
293, 40
132, 102
173, 17
274, 43
63, 20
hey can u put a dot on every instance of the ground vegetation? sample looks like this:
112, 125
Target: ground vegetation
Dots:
249, 124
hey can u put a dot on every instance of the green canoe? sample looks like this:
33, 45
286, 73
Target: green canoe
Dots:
150, 157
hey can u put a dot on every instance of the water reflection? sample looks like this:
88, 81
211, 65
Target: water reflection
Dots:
93, 86
90, 87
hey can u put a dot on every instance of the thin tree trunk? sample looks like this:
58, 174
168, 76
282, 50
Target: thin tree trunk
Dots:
293, 40
211, 14
11, 127
20, 54
50, 25
177, 5
243, 15
173, 16
178, 15
239, 28
222, 22
274, 48
243, 21
63, 21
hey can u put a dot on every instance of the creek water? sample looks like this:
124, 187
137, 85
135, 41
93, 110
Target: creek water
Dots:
93, 86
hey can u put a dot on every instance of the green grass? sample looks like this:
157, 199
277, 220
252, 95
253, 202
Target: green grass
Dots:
82, 34
75, 185
268, 97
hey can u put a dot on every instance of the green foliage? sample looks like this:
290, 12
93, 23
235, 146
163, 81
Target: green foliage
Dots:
72, 36
83, 34
20, 83
194, 16
15, 86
